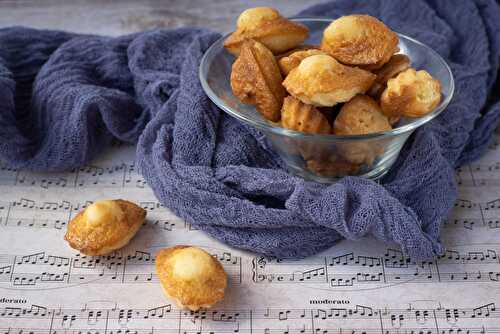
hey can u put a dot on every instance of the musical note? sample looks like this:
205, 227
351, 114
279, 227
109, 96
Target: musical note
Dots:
24, 271
492, 205
37, 311
363, 310
357, 319
227, 257
471, 215
107, 176
5, 270
158, 312
24, 203
479, 175
394, 258
474, 266
308, 275
342, 259
28, 213
227, 315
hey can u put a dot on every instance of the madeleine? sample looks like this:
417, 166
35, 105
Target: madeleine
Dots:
360, 40
298, 116
104, 226
266, 25
411, 94
191, 277
256, 80
322, 81
361, 115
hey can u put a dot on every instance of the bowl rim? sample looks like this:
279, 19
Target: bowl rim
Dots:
270, 127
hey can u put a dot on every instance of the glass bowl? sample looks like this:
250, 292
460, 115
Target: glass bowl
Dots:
326, 158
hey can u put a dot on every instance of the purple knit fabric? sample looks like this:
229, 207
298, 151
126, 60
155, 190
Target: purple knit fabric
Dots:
64, 97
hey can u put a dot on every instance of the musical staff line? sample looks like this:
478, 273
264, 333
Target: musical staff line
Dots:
122, 175
471, 215
166, 319
348, 270
28, 213
41, 269
479, 175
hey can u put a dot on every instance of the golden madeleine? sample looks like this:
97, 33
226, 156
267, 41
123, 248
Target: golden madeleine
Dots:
320, 80
359, 116
266, 25
104, 226
256, 80
298, 116
360, 40
332, 167
411, 93
291, 61
190, 276
397, 64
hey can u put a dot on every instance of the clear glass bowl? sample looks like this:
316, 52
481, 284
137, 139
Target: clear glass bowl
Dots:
325, 158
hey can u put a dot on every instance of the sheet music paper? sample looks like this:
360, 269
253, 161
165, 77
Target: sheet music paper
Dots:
355, 287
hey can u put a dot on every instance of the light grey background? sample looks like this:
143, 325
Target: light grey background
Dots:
109, 17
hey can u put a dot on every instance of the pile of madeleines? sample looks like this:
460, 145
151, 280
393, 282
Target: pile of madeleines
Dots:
354, 83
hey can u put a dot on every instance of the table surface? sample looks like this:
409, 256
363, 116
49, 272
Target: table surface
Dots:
119, 17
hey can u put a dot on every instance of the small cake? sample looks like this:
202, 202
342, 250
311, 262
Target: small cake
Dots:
256, 79
360, 40
104, 226
397, 64
289, 62
266, 25
411, 93
296, 115
191, 276
320, 80
361, 115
